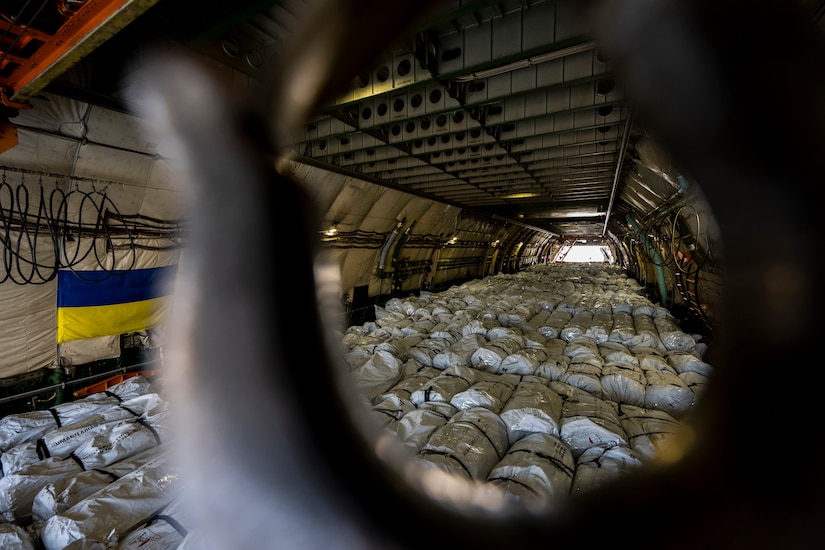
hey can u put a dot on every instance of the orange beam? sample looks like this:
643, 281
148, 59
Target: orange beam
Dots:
8, 136
93, 23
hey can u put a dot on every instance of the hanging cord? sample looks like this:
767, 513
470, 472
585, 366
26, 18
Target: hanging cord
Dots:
677, 240
69, 230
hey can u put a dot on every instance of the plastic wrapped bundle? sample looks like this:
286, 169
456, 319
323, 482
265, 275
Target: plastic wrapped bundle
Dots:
63, 441
673, 338
470, 444
646, 334
688, 362
533, 408
577, 326
537, 471
19, 457
491, 393
400, 347
616, 352
554, 367
407, 385
391, 408
14, 537
58, 496
476, 326
109, 514
164, 530
459, 352
124, 439
426, 349
649, 431
378, 374
538, 320
587, 421
488, 357
444, 386
415, 427
623, 383
16, 429
667, 392
555, 323
600, 327
17, 490
518, 315
523, 361
695, 381
624, 330
600, 465
584, 372
30, 426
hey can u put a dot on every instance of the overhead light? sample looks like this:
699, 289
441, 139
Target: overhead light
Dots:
332, 231
530, 61
521, 195
453, 240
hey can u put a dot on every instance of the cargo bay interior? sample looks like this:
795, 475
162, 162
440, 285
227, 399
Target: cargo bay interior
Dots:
436, 163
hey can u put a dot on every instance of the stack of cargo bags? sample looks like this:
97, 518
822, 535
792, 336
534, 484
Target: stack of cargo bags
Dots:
91, 474
539, 386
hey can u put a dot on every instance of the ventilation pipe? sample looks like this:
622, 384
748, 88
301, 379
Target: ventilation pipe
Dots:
401, 242
657, 259
382, 257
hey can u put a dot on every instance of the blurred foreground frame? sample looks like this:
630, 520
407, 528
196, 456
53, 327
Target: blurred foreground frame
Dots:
270, 469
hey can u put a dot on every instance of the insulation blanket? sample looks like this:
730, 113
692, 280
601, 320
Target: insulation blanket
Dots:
61, 494
536, 470
109, 514
470, 444
588, 421
601, 464
490, 393
533, 408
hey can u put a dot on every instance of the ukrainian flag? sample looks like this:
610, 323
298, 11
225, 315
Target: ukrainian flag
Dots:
91, 304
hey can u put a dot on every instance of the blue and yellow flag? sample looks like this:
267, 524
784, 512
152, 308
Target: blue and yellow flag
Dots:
105, 303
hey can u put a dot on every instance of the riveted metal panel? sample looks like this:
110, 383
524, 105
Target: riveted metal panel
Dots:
539, 25
506, 38
477, 41
522, 80
582, 95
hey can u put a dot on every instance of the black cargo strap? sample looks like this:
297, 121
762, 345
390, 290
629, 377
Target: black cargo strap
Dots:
104, 472
56, 417
174, 523
116, 396
142, 422
79, 462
